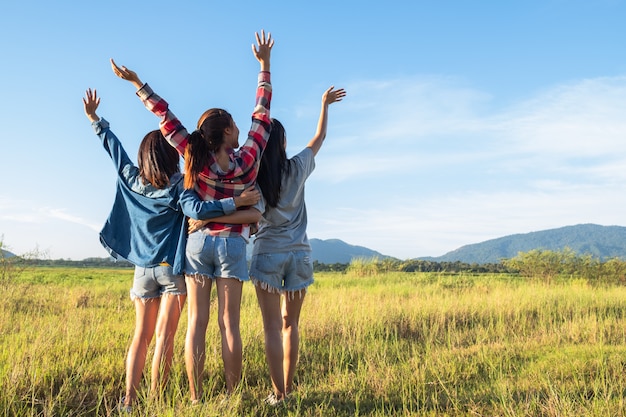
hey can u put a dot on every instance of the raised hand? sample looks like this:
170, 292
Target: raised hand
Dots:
263, 49
331, 95
126, 74
91, 101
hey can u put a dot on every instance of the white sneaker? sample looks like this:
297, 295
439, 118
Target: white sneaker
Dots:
124, 409
273, 400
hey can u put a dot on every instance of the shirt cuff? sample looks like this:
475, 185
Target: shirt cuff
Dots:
144, 92
99, 125
264, 76
228, 205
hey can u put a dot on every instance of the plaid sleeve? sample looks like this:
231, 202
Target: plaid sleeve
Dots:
171, 128
250, 153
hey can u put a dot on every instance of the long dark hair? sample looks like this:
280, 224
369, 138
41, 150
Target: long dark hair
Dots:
203, 142
157, 160
274, 164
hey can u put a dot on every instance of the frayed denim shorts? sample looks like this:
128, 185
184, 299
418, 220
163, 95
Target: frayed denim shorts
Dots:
216, 257
155, 282
283, 271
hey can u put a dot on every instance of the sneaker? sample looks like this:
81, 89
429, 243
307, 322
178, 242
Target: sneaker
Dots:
273, 400
123, 408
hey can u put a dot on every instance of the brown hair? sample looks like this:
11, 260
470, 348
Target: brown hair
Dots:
204, 141
157, 160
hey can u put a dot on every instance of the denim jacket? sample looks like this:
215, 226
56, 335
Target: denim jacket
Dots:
147, 225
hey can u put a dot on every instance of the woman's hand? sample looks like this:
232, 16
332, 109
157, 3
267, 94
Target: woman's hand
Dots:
126, 74
263, 50
91, 102
249, 197
331, 95
195, 225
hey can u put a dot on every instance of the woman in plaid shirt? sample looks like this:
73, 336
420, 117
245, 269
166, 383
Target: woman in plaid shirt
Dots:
215, 170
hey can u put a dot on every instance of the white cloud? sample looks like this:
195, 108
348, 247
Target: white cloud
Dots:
22, 211
438, 224
425, 168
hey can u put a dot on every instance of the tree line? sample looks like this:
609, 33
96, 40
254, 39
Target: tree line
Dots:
540, 264
546, 265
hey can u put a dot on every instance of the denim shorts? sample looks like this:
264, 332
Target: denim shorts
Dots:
216, 257
284, 271
156, 281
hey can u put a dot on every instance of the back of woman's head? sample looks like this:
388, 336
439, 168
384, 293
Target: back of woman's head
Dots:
207, 139
157, 160
274, 164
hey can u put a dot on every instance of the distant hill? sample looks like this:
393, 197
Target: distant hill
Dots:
6, 253
601, 242
334, 251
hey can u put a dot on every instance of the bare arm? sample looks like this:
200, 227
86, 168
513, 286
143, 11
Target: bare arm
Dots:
330, 96
246, 216
171, 128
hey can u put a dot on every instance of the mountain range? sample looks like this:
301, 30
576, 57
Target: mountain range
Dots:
603, 242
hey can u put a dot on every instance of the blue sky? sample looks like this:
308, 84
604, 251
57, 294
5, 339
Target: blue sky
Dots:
464, 121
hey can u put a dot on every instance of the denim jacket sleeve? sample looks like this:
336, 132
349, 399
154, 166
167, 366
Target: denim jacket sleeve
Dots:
125, 167
199, 209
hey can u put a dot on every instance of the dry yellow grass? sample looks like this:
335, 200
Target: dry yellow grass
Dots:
406, 344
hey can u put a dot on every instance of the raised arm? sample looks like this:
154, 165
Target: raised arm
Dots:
250, 153
171, 128
330, 96
125, 168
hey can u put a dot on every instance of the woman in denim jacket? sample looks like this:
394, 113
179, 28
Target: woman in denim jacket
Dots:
147, 227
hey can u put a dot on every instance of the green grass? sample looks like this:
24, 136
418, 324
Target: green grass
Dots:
405, 344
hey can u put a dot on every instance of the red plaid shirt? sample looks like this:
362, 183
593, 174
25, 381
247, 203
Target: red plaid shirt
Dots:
214, 184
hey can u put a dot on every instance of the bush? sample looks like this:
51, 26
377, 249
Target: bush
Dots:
547, 265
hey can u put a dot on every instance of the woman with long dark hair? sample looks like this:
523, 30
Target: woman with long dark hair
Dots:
281, 262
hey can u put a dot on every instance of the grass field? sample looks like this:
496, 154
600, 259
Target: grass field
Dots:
404, 344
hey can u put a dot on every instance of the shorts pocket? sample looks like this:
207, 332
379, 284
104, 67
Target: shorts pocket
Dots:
232, 249
195, 243
264, 264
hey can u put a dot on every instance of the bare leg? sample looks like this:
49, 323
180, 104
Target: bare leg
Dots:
292, 306
145, 321
272, 326
229, 304
199, 302
167, 323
